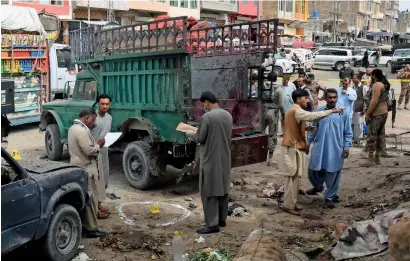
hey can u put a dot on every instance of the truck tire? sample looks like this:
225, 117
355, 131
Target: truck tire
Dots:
393, 70
135, 162
54, 147
63, 235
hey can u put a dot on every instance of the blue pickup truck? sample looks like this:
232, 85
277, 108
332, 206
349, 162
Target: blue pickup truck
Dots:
40, 201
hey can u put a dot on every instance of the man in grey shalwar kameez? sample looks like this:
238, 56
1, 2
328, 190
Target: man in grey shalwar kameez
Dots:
214, 136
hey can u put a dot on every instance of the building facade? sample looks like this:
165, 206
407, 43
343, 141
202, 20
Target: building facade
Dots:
371, 19
61, 8
219, 12
292, 14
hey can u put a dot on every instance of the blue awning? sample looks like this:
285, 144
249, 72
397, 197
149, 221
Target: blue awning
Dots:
382, 34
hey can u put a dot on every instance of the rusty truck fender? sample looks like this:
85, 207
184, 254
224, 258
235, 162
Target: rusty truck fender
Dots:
140, 123
47, 118
59, 194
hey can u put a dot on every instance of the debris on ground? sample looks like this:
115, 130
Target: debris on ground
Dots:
209, 254
366, 237
80, 247
136, 241
200, 240
192, 206
399, 238
272, 191
188, 199
81, 257
261, 245
237, 210
112, 196
340, 229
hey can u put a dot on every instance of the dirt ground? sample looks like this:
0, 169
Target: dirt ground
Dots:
135, 234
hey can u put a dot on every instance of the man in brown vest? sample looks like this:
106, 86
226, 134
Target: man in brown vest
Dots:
294, 146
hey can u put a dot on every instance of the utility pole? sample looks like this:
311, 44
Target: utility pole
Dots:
334, 22
337, 16
259, 10
89, 12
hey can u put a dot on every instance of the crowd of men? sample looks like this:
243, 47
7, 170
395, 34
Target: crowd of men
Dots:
327, 132
363, 99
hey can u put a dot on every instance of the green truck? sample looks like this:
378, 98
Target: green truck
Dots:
155, 72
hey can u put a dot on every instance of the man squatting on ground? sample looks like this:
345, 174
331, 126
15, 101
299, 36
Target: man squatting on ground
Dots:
214, 138
101, 128
294, 147
83, 153
331, 142
270, 112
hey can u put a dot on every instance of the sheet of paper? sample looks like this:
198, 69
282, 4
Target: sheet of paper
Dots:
185, 127
111, 137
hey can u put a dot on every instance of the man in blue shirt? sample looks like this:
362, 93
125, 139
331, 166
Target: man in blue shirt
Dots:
331, 142
346, 97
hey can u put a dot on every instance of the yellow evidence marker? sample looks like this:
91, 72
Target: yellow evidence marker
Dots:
155, 209
16, 155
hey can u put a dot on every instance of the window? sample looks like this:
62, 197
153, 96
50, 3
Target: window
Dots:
161, 1
90, 90
44, 2
338, 53
194, 4
184, 3
282, 4
56, 2
289, 6
173, 3
79, 91
323, 52
25, 1
64, 59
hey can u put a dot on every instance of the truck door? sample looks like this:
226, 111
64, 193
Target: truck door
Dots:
84, 96
20, 204
62, 70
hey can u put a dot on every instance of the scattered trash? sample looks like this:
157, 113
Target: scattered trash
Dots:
167, 244
366, 237
154, 257
231, 185
80, 247
272, 191
112, 196
237, 210
188, 199
200, 240
155, 209
192, 206
340, 229
209, 254
82, 257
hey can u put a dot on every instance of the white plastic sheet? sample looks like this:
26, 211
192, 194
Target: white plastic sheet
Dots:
21, 18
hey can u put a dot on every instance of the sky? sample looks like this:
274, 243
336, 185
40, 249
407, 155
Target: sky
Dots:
404, 5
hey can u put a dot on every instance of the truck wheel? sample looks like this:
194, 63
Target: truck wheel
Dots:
393, 70
64, 234
135, 162
54, 147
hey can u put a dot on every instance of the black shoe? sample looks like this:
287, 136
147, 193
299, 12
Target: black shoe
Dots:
312, 191
336, 199
93, 234
222, 223
208, 230
329, 203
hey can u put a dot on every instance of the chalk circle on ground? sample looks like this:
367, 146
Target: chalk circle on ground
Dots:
134, 213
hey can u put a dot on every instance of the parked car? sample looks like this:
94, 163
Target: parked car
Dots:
306, 60
333, 57
41, 202
400, 58
282, 65
385, 59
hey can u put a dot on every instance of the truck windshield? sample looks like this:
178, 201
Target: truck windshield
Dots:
64, 59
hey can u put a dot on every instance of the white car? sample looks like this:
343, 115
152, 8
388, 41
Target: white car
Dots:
385, 59
305, 57
282, 66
